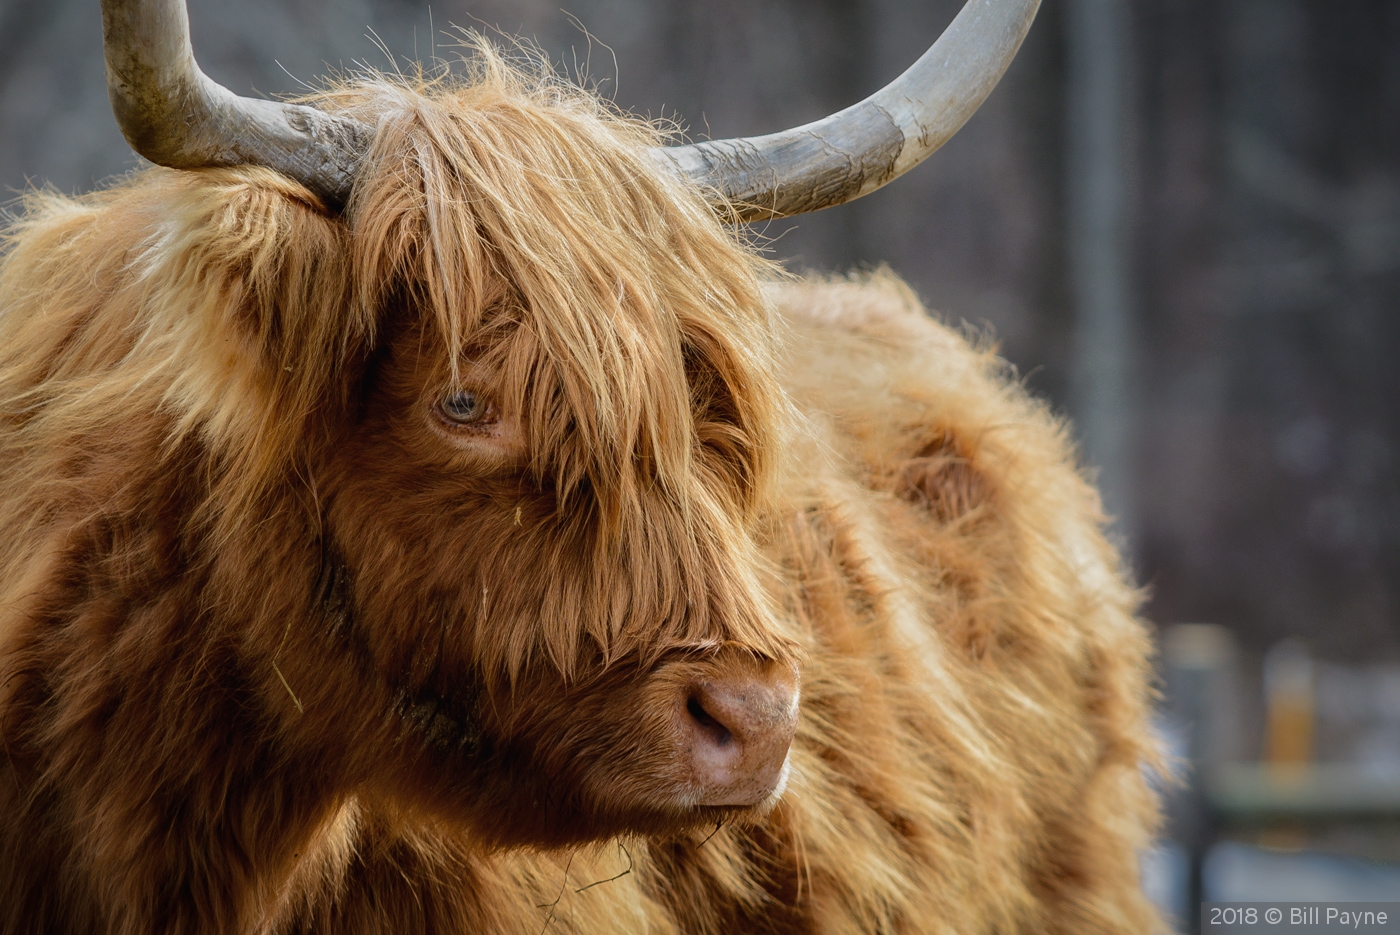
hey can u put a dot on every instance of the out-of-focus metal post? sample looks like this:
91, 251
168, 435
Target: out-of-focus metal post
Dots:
1199, 662
1104, 387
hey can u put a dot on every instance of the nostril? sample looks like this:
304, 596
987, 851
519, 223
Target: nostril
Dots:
735, 734
717, 731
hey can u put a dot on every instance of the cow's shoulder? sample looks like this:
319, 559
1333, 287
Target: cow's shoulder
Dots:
972, 630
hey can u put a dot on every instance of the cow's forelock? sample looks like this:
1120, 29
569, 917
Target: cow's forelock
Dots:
536, 244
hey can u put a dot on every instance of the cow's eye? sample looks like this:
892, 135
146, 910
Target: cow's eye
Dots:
465, 407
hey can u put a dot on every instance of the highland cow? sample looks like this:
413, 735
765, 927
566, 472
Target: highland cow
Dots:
422, 512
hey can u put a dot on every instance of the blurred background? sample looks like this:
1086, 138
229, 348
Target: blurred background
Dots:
1180, 218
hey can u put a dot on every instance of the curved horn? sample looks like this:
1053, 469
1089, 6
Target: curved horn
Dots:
176, 116
856, 150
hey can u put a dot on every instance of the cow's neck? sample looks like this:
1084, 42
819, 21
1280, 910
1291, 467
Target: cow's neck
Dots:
157, 776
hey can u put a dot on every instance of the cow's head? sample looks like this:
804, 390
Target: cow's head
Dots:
539, 485
544, 503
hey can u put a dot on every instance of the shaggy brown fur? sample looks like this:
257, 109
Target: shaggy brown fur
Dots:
283, 651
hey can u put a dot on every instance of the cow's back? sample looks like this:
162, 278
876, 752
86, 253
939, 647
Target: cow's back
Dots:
974, 711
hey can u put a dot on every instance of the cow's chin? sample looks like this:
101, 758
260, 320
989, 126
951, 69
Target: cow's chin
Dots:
681, 817
686, 811
505, 809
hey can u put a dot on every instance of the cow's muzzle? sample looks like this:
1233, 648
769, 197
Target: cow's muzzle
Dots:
736, 724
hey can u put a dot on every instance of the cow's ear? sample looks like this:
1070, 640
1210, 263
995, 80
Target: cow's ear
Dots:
263, 273
943, 478
290, 260
246, 288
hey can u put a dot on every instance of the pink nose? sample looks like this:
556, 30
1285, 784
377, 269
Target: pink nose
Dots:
737, 731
